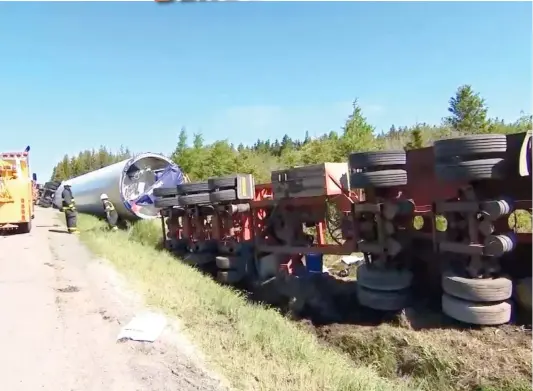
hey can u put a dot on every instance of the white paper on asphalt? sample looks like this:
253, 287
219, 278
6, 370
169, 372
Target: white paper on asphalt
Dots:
146, 327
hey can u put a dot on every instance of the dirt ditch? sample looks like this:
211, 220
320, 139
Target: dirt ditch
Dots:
437, 358
420, 343
435, 351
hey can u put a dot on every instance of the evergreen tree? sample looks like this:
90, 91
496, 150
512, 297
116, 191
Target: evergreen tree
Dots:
358, 134
416, 141
468, 112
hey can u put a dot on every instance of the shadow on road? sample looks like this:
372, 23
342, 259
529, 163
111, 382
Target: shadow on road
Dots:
59, 231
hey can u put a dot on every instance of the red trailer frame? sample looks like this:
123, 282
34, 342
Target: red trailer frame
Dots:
368, 217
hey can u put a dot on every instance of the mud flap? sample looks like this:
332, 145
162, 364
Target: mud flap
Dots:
524, 164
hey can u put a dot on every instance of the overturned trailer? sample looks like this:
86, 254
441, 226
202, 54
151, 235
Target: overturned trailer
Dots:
129, 185
439, 223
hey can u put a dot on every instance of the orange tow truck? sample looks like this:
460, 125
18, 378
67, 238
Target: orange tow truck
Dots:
16, 191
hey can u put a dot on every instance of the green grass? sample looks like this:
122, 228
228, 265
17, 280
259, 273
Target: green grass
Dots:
255, 348
520, 221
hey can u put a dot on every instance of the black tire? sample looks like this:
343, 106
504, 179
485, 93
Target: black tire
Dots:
192, 259
377, 159
230, 263
24, 228
230, 277
377, 279
223, 196
203, 247
472, 170
228, 182
206, 210
385, 178
179, 245
166, 202
194, 199
192, 188
176, 212
383, 300
229, 248
166, 192
483, 314
481, 290
470, 145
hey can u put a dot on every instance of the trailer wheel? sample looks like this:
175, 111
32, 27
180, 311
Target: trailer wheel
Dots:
175, 213
232, 262
471, 170
383, 279
477, 289
194, 199
383, 301
192, 188
204, 246
24, 228
165, 192
377, 159
178, 246
385, 178
523, 293
483, 314
229, 182
229, 248
172, 221
193, 259
230, 277
470, 145
166, 202
223, 196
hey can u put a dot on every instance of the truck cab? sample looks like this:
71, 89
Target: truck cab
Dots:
16, 192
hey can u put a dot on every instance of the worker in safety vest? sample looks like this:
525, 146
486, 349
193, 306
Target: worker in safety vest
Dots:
110, 212
68, 206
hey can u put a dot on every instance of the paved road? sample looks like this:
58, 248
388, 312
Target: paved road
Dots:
60, 313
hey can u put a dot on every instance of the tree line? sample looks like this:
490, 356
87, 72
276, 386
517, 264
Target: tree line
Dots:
87, 161
467, 114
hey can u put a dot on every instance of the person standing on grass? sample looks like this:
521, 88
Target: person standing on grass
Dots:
110, 212
68, 206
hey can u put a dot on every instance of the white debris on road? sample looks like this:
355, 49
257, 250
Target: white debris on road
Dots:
145, 327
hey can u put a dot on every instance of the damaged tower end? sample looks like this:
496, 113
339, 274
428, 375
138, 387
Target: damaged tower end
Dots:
129, 185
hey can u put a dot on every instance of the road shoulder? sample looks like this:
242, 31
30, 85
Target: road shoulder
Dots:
93, 294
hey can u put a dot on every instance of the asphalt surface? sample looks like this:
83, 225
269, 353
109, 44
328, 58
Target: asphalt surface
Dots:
60, 313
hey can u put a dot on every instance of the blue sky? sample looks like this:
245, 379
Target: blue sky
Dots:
78, 75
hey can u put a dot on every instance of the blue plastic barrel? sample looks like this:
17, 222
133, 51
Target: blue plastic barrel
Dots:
314, 262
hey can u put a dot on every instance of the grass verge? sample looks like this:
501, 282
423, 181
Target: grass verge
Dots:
254, 347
